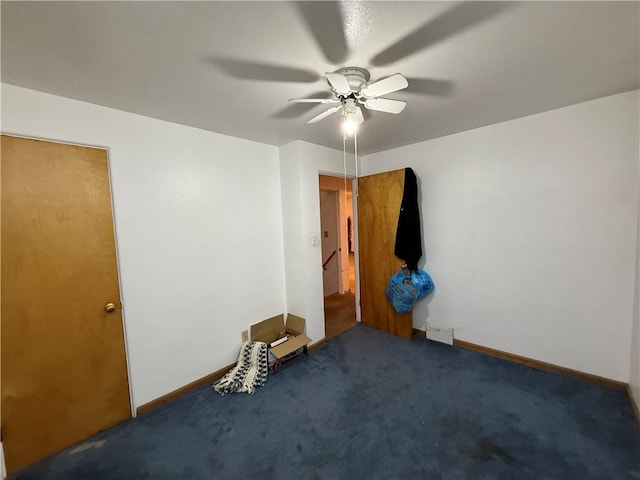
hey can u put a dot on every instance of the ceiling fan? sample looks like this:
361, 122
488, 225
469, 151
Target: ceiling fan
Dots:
351, 92
349, 88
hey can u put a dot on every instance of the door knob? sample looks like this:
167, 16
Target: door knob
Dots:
109, 307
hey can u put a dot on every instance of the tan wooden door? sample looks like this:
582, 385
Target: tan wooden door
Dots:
379, 199
64, 373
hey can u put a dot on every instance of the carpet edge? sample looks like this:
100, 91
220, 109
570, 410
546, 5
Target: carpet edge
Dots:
634, 405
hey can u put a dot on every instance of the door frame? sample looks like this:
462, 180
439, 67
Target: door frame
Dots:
354, 222
356, 244
115, 238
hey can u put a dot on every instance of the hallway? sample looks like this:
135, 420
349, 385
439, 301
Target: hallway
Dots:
339, 313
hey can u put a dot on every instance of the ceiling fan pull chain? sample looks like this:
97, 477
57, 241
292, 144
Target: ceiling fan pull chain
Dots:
355, 149
344, 159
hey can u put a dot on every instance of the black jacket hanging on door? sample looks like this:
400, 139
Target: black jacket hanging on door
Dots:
408, 239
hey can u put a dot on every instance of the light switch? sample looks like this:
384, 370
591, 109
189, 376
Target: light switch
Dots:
314, 240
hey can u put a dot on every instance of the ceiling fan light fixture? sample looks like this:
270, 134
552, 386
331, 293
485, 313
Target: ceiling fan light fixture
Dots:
349, 126
349, 113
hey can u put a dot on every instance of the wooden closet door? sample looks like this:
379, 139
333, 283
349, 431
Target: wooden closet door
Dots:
379, 199
64, 372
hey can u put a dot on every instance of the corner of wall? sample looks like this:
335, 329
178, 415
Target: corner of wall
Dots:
3, 470
288, 162
300, 166
634, 358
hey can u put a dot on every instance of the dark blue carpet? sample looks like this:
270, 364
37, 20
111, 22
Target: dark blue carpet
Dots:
368, 405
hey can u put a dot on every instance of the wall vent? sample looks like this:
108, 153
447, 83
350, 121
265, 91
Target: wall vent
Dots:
442, 335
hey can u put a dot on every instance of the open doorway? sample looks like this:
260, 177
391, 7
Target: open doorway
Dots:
338, 254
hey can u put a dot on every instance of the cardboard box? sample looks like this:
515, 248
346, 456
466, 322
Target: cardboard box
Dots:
273, 330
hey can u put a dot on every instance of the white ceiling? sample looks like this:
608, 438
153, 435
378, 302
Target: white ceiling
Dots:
230, 67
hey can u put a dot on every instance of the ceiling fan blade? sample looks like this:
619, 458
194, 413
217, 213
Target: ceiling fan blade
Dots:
385, 105
264, 71
386, 85
314, 100
296, 109
458, 18
429, 86
339, 83
325, 114
359, 116
324, 22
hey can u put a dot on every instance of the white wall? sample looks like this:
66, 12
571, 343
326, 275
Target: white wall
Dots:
300, 165
530, 232
198, 226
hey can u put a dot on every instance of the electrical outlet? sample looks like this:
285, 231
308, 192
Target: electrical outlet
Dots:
245, 335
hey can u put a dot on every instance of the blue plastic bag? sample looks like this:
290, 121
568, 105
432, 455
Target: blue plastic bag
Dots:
422, 281
401, 292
